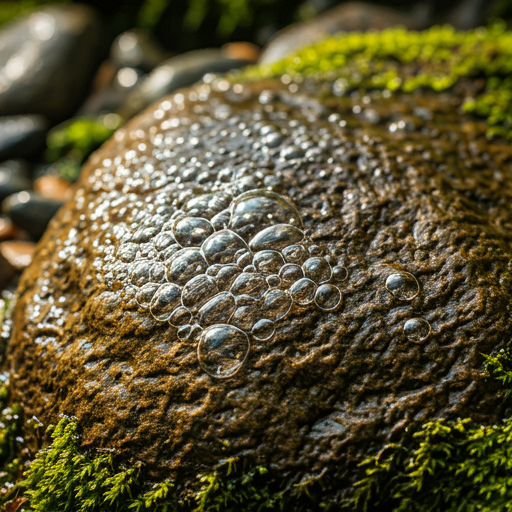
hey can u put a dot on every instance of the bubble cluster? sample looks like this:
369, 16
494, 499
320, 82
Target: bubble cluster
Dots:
223, 270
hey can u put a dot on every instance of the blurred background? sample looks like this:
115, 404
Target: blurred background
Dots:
72, 72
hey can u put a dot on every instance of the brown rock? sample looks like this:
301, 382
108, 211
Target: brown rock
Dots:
53, 187
7, 229
18, 253
395, 344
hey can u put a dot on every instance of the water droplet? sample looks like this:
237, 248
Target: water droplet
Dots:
291, 273
255, 210
197, 291
417, 329
249, 284
192, 231
292, 152
272, 140
222, 246
222, 350
317, 269
166, 299
276, 237
218, 310
244, 259
294, 254
263, 329
127, 252
145, 294
180, 316
327, 297
185, 264
403, 286
276, 304
339, 274
303, 291
268, 262
273, 281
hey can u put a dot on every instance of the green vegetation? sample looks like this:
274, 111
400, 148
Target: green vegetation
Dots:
400, 60
70, 143
11, 9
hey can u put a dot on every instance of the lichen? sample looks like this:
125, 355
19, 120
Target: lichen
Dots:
401, 60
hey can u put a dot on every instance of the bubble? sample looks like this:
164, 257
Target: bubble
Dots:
291, 273
207, 205
222, 350
192, 231
185, 264
184, 332
156, 272
140, 272
276, 304
226, 276
250, 284
250, 268
327, 297
163, 240
303, 291
127, 252
339, 274
273, 140
268, 262
169, 252
197, 291
255, 210
244, 317
276, 237
244, 259
180, 316
166, 299
218, 310
273, 281
294, 254
222, 246
417, 329
145, 294
263, 329
403, 286
317, 269
292, 152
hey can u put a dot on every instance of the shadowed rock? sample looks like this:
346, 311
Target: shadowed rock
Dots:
305, 358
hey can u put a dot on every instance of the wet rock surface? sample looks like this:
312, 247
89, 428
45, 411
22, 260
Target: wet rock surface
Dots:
21, 136
47, 60
248, 271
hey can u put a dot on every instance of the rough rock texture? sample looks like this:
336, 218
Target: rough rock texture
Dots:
383, 186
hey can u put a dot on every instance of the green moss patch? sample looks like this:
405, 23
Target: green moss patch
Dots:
401, 60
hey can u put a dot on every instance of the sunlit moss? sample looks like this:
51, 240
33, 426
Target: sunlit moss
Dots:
401, 60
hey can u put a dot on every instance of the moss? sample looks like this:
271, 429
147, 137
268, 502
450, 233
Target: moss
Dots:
70, 143
401, 60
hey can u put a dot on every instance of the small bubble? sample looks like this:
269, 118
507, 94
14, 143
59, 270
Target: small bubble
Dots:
166, 299
403, 286
276, 237
140, 272
180, 316
276, 304
327, 297
417, 329
244, 259
339, 274
251, 284
185, 264
197, 291
291, 273
250, 268
222, 350
273, 281
303, 291
314, 250
244, 317
218, 310
317, 269
145, 294
292, 152
294, 254
268, 262
226, 276
222, 246
263, 329
184, 332
192, 231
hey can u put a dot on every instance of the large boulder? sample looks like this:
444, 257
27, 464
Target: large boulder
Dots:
272, 272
